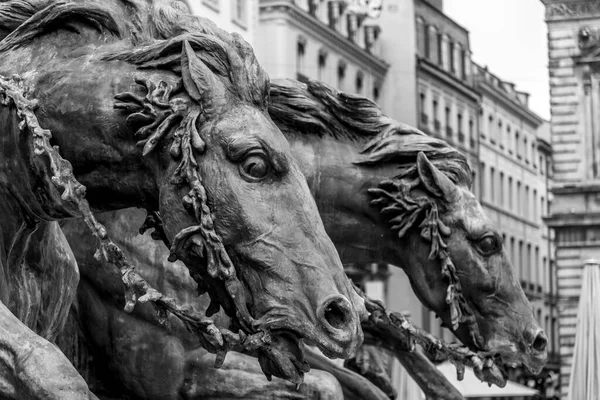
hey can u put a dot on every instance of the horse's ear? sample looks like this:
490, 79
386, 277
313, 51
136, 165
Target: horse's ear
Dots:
199, 81
435, 180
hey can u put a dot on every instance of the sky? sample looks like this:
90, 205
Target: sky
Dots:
509, 36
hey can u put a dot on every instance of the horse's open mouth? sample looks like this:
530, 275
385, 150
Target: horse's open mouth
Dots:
284, 357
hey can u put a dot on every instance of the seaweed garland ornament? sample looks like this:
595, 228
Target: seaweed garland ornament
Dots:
395, 200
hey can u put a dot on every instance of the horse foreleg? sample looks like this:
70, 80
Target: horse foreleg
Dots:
355, 386
431, 381
31, 368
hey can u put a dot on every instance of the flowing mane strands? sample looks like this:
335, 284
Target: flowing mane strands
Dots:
318, 109
152, 33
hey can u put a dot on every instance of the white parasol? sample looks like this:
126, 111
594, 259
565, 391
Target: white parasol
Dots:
584, 383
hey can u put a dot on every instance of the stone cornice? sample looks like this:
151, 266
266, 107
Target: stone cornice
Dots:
544, 146
490, 90
426, 66
270, 9
576, 187
568, 10
575, 219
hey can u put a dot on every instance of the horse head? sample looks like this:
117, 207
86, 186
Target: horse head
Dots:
234, 204
457, 264
440, 236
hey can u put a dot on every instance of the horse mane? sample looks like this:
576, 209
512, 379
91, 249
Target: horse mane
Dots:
150, 34
316, 108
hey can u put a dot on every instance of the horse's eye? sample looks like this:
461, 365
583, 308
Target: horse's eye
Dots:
254, 167
487, 245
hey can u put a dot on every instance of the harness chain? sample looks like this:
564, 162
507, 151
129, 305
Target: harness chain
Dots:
394, 332
137, 290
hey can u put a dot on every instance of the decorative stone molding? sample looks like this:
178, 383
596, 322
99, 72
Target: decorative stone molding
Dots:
569, 10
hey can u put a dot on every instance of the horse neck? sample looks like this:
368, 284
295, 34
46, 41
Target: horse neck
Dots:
340, 189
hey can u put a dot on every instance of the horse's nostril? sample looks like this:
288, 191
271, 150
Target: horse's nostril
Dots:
540, 342
336, 313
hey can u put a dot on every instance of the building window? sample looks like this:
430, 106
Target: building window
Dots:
426, 40
536, 272
513, 250
359, 82
459, 128
341, 72
471, 137
352, 26
463, 64
546, 274
483, 180
519, 201
451, 56
528, 265
526, 150
313, 5
300, 59
526, 202
533, 155
521, 260
213, 4
376, 91
507, 139
433, 47
554, 333
490, 123
517, 145
542, 165
492, 185
424, 119
333, 13
510, 193
534, 212
239, 12
322, 62
496, 135
447, 122
440, 54
542, 206
501, 191
436, 119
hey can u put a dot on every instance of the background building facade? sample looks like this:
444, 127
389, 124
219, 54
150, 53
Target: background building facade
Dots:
303, 39
574, 68
447, 102
240, 16
515, 153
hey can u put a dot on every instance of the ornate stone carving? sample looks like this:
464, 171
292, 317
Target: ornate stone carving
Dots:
588, 38
572, 10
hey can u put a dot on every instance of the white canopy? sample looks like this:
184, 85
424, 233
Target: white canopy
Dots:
584, 383
471, 386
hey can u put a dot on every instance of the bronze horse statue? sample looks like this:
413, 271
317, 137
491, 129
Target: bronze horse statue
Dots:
232, 198
364, 170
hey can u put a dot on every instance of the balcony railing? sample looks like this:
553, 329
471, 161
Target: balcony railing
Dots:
449, 131
424, 119
437, 126
472, 143
461, 137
